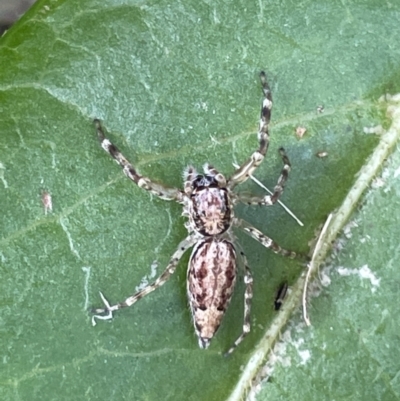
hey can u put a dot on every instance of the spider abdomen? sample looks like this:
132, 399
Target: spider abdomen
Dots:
210, 283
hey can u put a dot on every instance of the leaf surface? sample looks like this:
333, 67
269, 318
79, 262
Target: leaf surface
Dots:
174, 84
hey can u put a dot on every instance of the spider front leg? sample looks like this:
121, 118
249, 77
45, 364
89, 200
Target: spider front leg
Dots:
143, 182
106, 313
271, 199
247, 168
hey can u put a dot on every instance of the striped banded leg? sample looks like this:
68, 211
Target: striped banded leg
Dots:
189, 175
279, 187
107, 311
248, 295
264, 240
247, 168
143, 182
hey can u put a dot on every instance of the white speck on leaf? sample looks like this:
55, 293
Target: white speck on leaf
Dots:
2, 169
365, 273
71, 243
86, 270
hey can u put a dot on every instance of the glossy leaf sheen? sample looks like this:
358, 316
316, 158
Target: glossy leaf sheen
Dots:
174, 84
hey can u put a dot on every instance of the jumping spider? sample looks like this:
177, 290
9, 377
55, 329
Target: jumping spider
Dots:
208, 200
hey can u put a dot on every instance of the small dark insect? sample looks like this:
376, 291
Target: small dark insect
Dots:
280, 295
208, 201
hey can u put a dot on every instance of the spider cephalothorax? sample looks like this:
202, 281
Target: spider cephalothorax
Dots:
209, 205
208, 201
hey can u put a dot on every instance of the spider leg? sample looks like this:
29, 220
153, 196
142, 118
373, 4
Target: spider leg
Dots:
248, 167
143, 182
248, 295
189, 175
107, 311
271, 199
264, 240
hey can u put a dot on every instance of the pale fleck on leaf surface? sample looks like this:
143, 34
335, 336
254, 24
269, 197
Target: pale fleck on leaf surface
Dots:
174, 84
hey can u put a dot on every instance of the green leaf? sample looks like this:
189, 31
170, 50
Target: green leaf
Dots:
174, 84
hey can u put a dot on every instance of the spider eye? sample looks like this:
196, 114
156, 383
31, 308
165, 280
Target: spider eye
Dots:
202, 181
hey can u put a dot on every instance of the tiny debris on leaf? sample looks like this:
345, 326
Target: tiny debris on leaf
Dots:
321, 154
47, 203
300, 131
